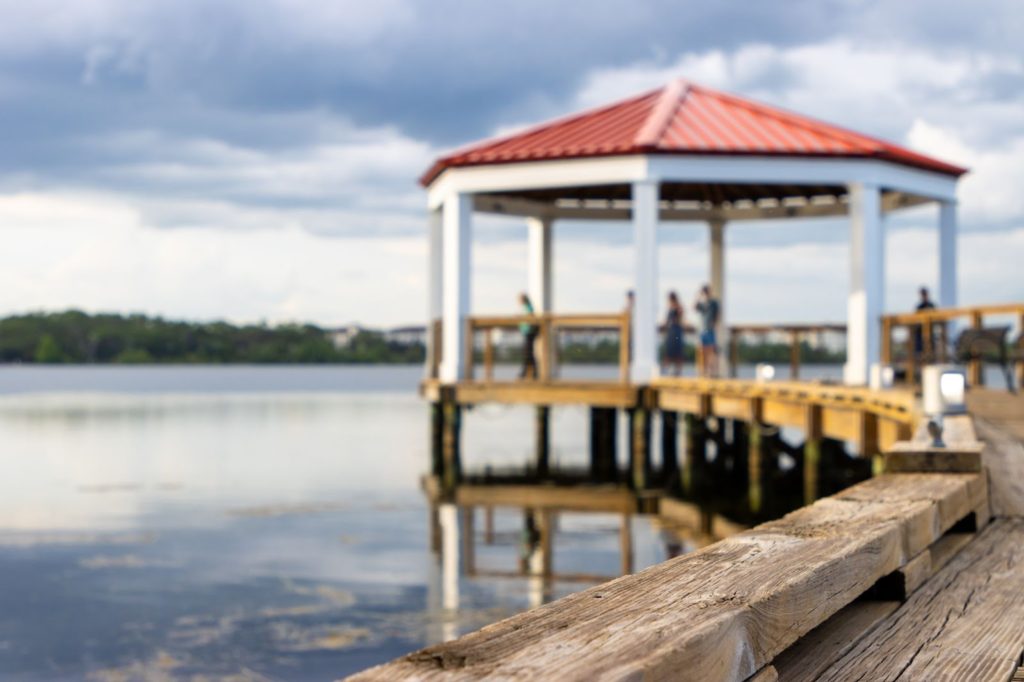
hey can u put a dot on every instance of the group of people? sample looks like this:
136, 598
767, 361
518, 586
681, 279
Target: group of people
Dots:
706, 306
708, 309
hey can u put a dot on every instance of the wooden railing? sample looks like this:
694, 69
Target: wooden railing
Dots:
546, 350
796, 332
933, 325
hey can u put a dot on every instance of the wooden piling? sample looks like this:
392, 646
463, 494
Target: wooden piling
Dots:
755, 467
542, 440
640, 447
670, 448
694, 455
603, 442
489, 525
437, 439
812, 453
451, 463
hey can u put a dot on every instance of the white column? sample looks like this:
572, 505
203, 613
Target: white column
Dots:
434, 289
539, 233
456, 245
645, 274
947, 254
867, 282
717, 267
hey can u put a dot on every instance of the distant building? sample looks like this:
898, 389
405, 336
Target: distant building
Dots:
342, 337
407, 335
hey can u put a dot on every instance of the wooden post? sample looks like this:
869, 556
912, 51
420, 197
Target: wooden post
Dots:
626, 543
489, 525
868, 442
911, 357
926, 342
488, 354
669, 448
624, 346
640, 448
542, 439
544, 356
975, 375
794, 355
694, 455
470, 360
468, 541
734, 354
886, 340
755, 459
812, 453
755, 467
450, 445
437, 439
603, 442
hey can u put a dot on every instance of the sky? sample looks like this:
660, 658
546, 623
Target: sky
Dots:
257, 160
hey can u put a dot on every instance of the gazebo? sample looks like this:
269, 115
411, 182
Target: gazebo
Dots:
682, 152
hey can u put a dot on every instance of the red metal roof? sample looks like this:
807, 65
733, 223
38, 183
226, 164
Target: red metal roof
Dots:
683, 118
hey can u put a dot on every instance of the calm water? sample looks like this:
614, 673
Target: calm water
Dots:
245, 523
248, 523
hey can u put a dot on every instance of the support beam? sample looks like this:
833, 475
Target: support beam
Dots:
448, 518
867, 283
670, 448
645, 273
640, 447
626, 544
542, 438
456, 250
717, 271
603, 441
947, 254
434, 290
539, 240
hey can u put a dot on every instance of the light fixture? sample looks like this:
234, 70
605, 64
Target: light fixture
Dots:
882, 376
942, 389
764, 372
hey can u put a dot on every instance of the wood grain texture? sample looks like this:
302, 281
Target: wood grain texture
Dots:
1004, 460
722, 613
963, 624
828, 642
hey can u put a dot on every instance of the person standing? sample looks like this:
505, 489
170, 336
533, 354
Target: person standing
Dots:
673, 360
529, 332
924, 303
708, 309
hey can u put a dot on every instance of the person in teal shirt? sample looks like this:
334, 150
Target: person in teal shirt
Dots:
529, 332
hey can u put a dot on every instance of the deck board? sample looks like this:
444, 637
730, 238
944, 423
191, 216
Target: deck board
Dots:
963, 624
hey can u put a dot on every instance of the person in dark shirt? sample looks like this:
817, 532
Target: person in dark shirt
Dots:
925, 303
707, 307
674, 336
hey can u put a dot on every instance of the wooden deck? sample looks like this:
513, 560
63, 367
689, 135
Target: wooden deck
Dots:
899, 577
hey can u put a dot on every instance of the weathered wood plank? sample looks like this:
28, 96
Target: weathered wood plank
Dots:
909, 457
963, 624
721, 613
828, 642
610, 499
1004, 460
595, 393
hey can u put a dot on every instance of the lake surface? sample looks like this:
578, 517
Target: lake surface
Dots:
250, 523
245, 522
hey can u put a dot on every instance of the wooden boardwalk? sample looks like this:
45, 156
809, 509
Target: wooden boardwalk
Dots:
899, 577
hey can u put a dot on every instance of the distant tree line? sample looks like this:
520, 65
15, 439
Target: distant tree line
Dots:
77, 337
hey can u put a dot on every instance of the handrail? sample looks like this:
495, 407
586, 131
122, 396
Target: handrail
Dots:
937, 348
795, 331
548, 325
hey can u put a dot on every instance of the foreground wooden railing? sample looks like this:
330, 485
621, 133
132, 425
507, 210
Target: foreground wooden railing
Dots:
934, 328
548, 327
732, 609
